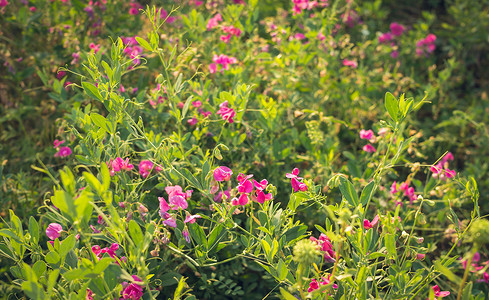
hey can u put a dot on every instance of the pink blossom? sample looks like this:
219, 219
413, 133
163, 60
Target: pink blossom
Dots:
3, 3
58, 143
119, 164
53, 231
261, 197
132, 291
145, 167
222, 173
394, 54
212, 68
439, 293
426, 46
178, 201
94, 47
226, 112
242, 200
196, 104
385, 38
170, 222
214, 21
192, 121
324, 244
367, 224
394, 188
297, 185
420, 256
222, 194
366, 134
294, 174
89, 295
135, 7
191, 218
186, 235
397, 29
245, 186
369, 148
63, 152
350, 63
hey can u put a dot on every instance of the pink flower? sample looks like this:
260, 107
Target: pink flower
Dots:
191, 218
367, 224
178, 202
221, 194
294, 174
366, 134
324, 244
53, 231
222, 173
58, 143
397, 29
3, 3
385, 38
196, 104
186, 235
245, 187
63, 152
350, 63
394, 54
382, 131
369, 148
214, 21
119, 164
261, 197
132, 291
242, 200
193, 121
297, 185
420, 256
89, 295
212, 68
439, 293
145, 167
135, 7
170, 222
226, 112
426, 45
94, 47
394, 188
314, 285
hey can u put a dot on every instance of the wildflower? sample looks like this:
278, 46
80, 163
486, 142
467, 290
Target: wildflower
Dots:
191, 218
170, 222
242, 200
224, 61
222, 173
438, 293
420, 256
367, 224
186, 235
53, 231
58, 143
397, 29
325, 245
369, 148
94, 47
89, 295
366, 134
164, 207
135, 7
261, 197
294, 181
350, 63
394, 188
315, 286
294, 174
132, 291
212, 68
226, 112
63, 152
426, 46
3, 3
385, 38
192, 121
214, 21
221, 195
118, 165
145, 167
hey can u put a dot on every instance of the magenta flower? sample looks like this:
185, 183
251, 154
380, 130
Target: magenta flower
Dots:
53, 231
222, 173
221, 195
89, 295
170, 222
324, 244
314, 285
294, 174
63, 152
297, 185
186, 235
366, 134
385, 38
350, 63
178, 202
214, 21
261, 197
245, 186
58, 143
3, 3
420, 256
118, 165
191, 218
135, 7
426, 46
394, 187
367, 224
439, 293
242, 200
132, 291
226, 112
369, 148
212, 68
397, 29
145, 167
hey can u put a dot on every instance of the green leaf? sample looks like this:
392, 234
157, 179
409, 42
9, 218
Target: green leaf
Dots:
390, 244
282, 270
52, 258
143, 43
100, 121
367, 193
198, 234
92, 90
135, 233
93, 182
185, 107
39, 268
348, 191
66, 245
286, 295
392, 106
447, 272
10, 234
16, 223
102, 265
33, 290
215, 236
104, 170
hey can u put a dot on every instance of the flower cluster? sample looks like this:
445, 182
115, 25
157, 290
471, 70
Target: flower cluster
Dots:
226, 112
441, 170
324, 244
389, 37
146, 166
254, 189
62, 151
314, 285
118, 165
300, 5
177, 201
294, 181
132, 291
475, 267
222, 60
369, 135
426, 46
133, 50
110, 251
408, 191
229, 32
214, 21
135, 7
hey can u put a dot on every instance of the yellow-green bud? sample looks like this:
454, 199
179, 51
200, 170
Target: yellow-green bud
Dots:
306, 252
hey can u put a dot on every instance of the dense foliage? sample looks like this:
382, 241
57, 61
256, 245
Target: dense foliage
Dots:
244, 149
